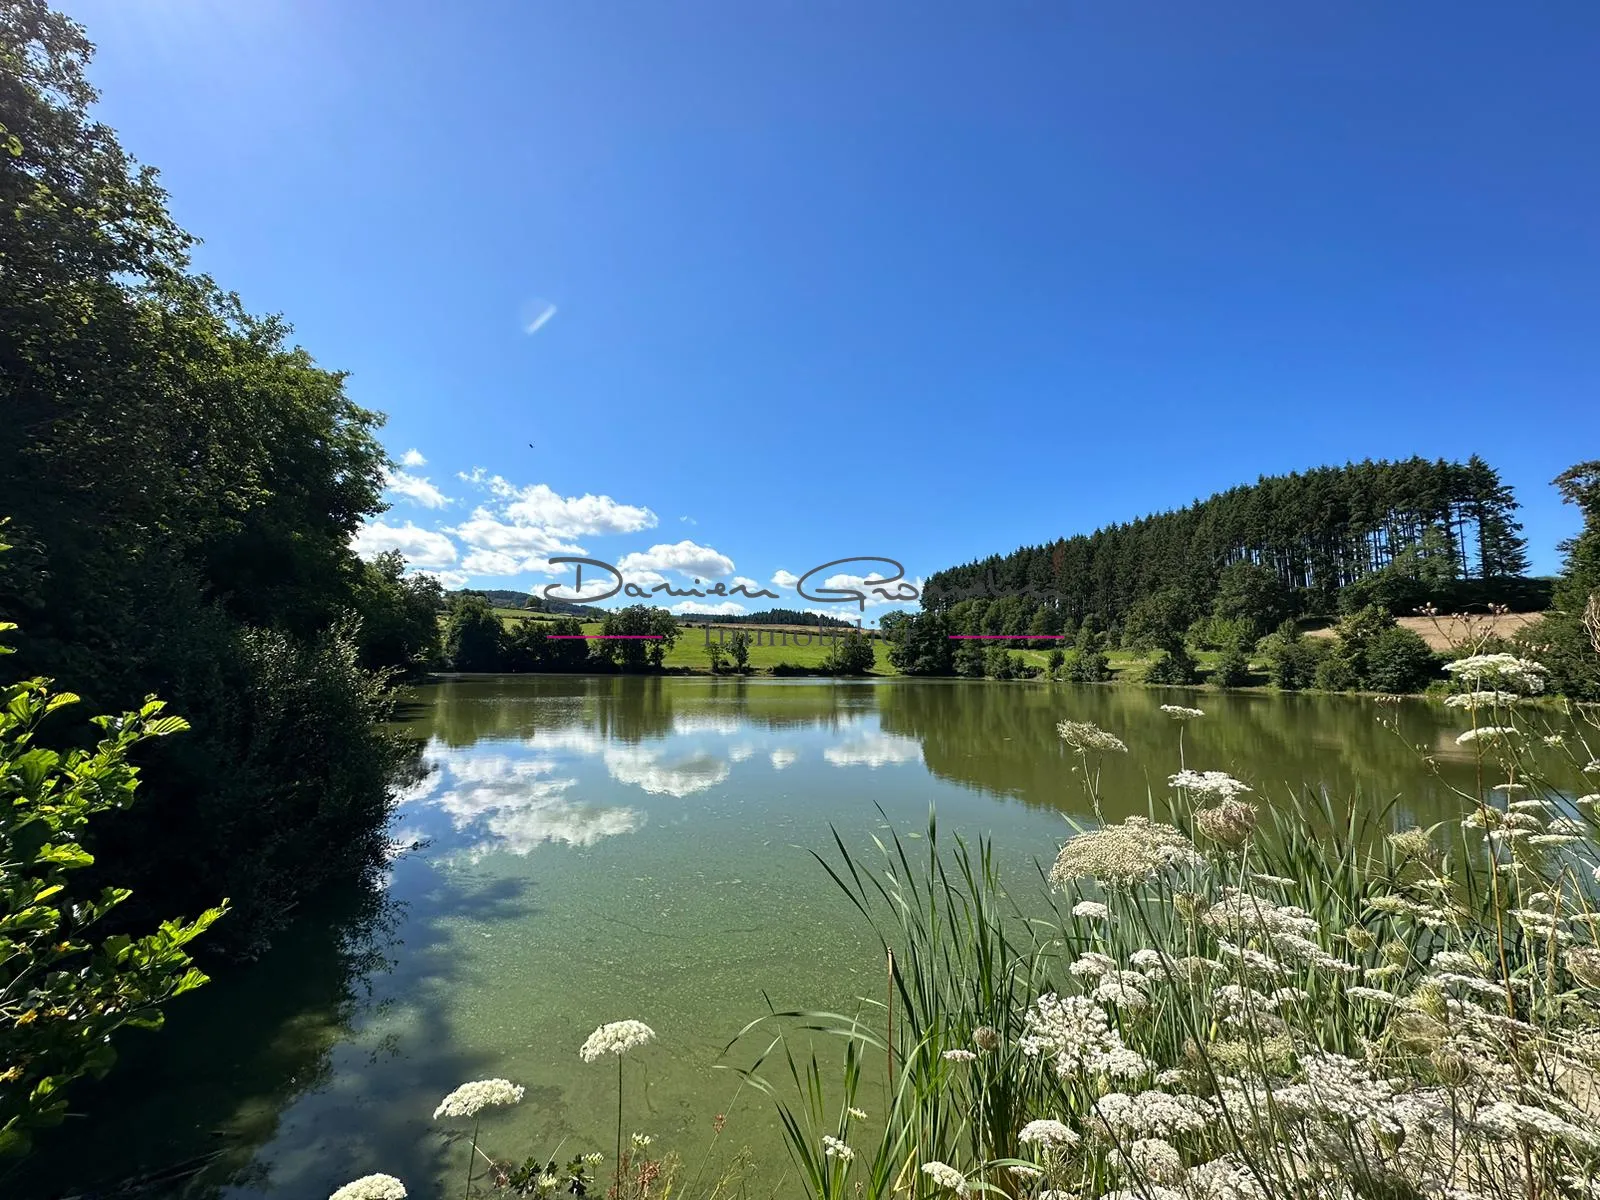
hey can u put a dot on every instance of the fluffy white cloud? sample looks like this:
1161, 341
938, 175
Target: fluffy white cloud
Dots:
745, 582
874, 750
782, 758
728, 608
785, 578
657, 773
540, 506
449, 580
528, 547
685, 557
413, 458
415, 488
839, 612
421, 547
862, 584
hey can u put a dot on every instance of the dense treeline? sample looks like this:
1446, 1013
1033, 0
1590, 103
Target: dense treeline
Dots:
1399, 534
1567, 640
184, 484
475, 639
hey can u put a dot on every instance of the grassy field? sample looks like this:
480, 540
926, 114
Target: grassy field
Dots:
690, 653
1445, 632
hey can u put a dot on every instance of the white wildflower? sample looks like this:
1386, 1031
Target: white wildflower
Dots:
1048, 1134
834, 1148
1155, 1160
1123, 994
1375, 995
1026, 1172
1504, 1117
1507, 670
857, 1113
959, 1056
946, 1176
470, 1099
371, 1187
1084, 736
1217, 784
1123, 854
1475, 700
640, 1141
1153, 1114
1179, 713
1486, 733
618, 1037
1151, 962
1091, 910
1091, 964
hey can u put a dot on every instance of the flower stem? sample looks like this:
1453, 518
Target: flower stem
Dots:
471, 1158
619, 1127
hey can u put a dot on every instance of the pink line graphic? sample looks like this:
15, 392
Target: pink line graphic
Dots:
988, 636
615, 637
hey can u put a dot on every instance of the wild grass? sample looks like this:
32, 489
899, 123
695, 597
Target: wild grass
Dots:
1212, 1002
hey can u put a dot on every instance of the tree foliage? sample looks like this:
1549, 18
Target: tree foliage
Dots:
185, 484
66, 988
851, 654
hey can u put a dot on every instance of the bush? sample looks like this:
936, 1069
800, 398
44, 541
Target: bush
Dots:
1058, 656
850, 655
1173, 667
65, 995
1336, 674
1233, 670
1292, 658
473, 637
1398, 660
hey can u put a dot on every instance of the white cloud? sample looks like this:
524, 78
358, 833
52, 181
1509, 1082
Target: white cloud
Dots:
785, 578
535, 313
421, 547
728, 608
862, 584
651, 770
491, 562
748, 584
448, 580
415, 487
685, 557
413, 458
840, 611
874, 750
540, 506
782, 758
529, 546
689, 520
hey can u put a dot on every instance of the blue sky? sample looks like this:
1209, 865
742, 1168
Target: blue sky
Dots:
921, 280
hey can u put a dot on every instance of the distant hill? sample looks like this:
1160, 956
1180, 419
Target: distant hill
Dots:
771, 616
504, 598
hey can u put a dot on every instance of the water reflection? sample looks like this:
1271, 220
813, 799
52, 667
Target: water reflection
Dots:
583, 839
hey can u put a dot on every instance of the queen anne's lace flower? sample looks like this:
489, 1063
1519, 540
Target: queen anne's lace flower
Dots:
1486, 733
1077, 1034
1475, 700
1091, 910
1508, 670
1218, 784
1122, 855
618, 1037
470, 1099
959, 1056
371, 1187
1084, 736
1179, 713
946, 1176
1153, 1114
1047, 1134
1155, 1160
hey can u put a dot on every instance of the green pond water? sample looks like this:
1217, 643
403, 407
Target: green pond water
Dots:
589, 849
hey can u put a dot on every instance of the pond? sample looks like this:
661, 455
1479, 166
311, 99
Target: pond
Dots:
586, 849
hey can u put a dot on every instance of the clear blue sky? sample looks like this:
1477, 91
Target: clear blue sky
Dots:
928, 280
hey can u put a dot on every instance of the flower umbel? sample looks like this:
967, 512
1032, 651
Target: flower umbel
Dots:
618, 1037
470, 1099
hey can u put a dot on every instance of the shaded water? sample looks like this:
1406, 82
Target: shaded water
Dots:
598, 848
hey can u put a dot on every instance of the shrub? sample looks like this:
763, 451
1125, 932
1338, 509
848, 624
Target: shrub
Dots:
1233, 669
1398, 660
1173, 667
63, 995
1292, 658
851, 654
473, 637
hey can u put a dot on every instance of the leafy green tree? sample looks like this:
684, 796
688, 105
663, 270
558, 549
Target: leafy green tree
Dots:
1088, 663
851, 654
565, 648
1054, 662
185, 484
525, 647
1232, 669
1158, 622
919, 643
1292, 658
1175, 666
399, 615
474, 639
717, 656
998, 663
1399, 661
739, 650
1562, 640
1254, 598
969, 659
650, 632
65, 989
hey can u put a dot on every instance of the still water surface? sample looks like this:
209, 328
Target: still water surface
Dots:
588, 849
